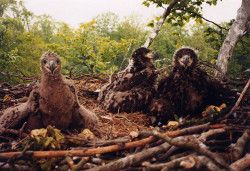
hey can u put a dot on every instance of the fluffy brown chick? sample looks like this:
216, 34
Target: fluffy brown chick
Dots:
131, 89
54, 102
187, 90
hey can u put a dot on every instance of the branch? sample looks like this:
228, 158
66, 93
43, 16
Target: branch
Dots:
241, 164
235, 33
199, 15
239, 100
108, 149
160, 23
191, 143
187, 162
133, 159
237, 149
80, 153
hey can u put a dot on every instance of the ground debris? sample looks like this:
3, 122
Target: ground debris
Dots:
214, 141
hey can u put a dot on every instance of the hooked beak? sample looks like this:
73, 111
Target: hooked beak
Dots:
150, 55
52, 66
185, 60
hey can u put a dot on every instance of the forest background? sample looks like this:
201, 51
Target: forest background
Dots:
104, 44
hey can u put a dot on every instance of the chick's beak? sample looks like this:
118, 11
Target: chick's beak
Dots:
150, 55
185, 60
52, 66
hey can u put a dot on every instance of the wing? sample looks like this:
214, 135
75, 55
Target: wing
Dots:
15, 116
145, 77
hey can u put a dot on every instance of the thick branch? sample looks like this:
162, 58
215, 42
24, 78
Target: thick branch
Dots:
80, 153
187, 162
241, 164
112, 148
236, 106
192, 143
133, 159
237, 30
238, 148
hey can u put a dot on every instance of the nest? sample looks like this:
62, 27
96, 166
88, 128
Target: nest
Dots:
218, 140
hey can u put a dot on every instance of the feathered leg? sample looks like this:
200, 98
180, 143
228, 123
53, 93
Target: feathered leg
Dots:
84, 118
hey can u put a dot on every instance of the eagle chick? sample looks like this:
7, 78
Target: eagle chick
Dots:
187, 89
131, 90
54, 102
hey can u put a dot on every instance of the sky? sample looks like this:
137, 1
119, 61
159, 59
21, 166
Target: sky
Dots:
75, 12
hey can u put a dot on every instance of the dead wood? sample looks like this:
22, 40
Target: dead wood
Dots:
82, 152
241, 164
192, 143
214, 138
133, 159
191, 161
203, 137
108, 149
236, 106
238, 148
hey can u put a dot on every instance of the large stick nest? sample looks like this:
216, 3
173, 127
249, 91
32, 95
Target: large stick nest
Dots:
218, 140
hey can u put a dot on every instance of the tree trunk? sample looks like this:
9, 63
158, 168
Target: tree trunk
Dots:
239, 28
160, 23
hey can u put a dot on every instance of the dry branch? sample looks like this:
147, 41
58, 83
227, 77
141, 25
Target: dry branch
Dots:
188, 162
192, 143
241, 164
239, 100
133, 159
237, 149
205, 135
112, 148
80, 153
160, 23
189, 130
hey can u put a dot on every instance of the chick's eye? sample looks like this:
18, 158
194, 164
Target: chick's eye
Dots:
44, 61
57, 61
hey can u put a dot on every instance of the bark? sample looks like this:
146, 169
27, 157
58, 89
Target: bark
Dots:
238, 148
160, 23
133, 159
241, 164
239, 28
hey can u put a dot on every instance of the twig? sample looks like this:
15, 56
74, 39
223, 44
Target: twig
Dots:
133, 159
237, 149
108, 149
192, 143
204, 136
110, 142
99, 143
188, 162
189, 130
79, 165
69, 161
241, 164
84, 152
239, 100
200, 16
12, 131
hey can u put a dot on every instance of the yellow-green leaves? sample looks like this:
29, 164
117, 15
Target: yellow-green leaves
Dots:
49, 138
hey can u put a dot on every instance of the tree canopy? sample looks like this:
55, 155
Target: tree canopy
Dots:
104, 44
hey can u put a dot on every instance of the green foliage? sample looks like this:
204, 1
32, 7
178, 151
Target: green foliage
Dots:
183, 11
104, 44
